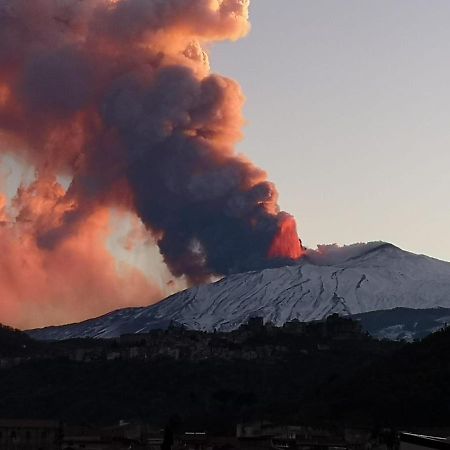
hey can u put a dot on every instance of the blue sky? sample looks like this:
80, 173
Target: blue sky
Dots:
348, 109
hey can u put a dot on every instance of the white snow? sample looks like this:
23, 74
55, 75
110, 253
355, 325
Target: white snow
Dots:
361, 278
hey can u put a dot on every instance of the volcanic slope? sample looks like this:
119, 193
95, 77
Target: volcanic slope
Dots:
355, 279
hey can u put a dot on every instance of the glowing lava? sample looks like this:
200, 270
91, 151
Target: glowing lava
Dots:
286, 244
4, 94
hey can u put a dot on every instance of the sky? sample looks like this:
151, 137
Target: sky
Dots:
348, 109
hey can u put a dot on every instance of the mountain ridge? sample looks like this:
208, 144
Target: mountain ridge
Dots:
345, 280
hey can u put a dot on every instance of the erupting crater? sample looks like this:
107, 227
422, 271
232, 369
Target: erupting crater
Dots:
286, 243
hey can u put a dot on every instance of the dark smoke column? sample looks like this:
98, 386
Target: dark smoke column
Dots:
150, 128
214, 211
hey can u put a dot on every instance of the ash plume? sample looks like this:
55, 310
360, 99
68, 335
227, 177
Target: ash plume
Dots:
118, 96
76, 280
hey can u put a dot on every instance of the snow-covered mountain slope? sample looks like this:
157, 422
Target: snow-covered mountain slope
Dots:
350, 280
404, 323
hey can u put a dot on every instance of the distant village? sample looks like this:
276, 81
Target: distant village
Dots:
252, 341
53, 435
134, 435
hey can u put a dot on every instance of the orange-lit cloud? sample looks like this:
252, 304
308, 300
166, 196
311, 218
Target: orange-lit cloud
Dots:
117, 96
76, 280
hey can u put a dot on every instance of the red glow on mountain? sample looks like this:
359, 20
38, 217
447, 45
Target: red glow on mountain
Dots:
286, 244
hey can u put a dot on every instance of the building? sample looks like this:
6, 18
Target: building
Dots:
193, 440
30, 435
261, 435
121, 436
342, 328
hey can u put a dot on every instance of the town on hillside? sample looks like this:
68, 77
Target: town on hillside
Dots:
135, 435
251, 341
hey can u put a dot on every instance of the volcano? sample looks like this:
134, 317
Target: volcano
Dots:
350, 280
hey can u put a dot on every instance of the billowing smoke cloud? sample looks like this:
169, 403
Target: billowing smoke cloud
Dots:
118, 95
76, 280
